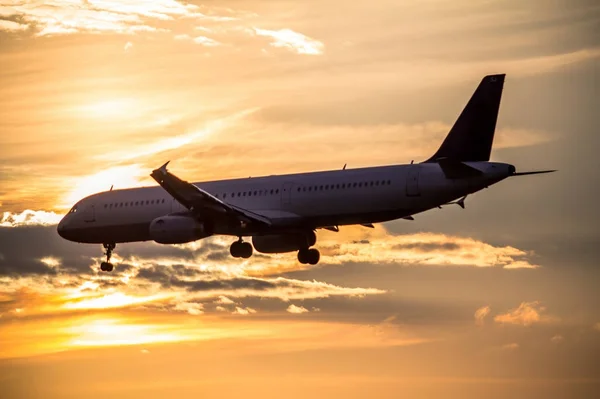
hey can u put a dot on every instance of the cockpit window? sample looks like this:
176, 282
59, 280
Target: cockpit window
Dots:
74, 209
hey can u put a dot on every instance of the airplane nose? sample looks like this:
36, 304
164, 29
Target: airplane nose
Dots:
61, 228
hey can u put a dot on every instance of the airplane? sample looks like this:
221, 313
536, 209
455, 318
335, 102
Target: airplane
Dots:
282, 213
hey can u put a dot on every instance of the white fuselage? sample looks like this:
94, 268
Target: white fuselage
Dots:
295, 201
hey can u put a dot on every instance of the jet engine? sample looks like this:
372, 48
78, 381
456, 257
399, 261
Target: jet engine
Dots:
177, 230
279, 243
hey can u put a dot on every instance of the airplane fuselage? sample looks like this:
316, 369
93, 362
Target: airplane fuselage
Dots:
291, 202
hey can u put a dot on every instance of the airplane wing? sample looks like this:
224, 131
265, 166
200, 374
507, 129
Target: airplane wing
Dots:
199, 201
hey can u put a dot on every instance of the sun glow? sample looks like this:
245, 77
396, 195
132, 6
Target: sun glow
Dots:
113, 332
115, 300
117, 108
119, 177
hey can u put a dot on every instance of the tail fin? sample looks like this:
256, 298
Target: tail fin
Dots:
471, 137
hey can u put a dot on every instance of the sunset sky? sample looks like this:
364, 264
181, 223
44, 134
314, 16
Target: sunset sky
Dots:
498, 300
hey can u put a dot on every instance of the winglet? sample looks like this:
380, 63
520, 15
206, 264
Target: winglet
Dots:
163, 169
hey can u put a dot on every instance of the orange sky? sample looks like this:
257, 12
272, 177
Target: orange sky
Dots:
496, 300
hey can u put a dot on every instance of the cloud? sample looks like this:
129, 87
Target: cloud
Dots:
527, 314
11, 26
29, 218
128, 46
510, 347
242, 286
481, 314
192, 308
296, 309
206, 41
57, 17
557, 339
243, 311
293, 41
223, 300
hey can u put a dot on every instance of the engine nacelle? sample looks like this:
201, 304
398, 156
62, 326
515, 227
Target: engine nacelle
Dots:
279, 243
177, 230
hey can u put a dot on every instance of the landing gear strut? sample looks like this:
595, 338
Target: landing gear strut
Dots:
241, 249
107, 266
309, 256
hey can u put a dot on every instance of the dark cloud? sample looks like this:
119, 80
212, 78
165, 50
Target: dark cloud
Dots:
427, 246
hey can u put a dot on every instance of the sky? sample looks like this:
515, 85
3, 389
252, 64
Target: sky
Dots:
497, 300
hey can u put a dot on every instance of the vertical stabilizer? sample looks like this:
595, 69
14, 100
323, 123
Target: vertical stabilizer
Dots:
471, 137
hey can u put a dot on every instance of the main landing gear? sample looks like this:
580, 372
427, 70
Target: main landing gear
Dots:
309, 256
241, 249
107, 266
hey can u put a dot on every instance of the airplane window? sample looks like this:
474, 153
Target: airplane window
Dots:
354, 185
389, 182
277, 191
360, 184
105, 205
337, 186
321, 188
256, 193
244, 193
343, 185
271, 191
225, 195
163, 201
371, 184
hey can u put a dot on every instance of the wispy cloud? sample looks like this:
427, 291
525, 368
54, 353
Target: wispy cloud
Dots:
481, 314
510, 347
57, 17
206, 41
29, 218
11, 26
293, 41
527, 314
243, 311
296, 309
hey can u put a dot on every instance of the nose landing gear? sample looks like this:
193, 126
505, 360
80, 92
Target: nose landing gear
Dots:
107, 266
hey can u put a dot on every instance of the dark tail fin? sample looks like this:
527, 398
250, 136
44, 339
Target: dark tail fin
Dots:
471, 137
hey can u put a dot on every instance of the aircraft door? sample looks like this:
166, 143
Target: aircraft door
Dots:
89, 214
286, 193
412, 181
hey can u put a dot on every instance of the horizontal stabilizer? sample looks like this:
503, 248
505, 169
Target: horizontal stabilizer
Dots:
457, 170
535, 172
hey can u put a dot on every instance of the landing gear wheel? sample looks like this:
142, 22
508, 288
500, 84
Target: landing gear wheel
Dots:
313, 256
309, 256
241, 249
235, 249
106, 267
246, 250
303, 256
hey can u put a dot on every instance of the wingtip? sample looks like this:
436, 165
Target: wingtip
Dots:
164, 167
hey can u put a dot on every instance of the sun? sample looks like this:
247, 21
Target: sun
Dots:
118, 176
113, 108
